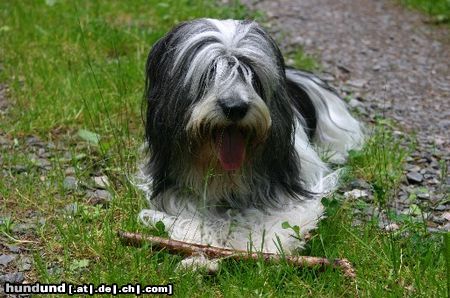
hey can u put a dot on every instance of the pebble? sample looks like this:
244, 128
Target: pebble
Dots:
360, 183
4, 141
423, 195
6, 259
34, 141
412, 167
23, 228
392, 227
101, 182
71, 208
356, 194
16, 277
24, 263
70, 171
99, 197
55, 270
19, 169
442, 208
14, 249
43, 163
358, 83
414, 177
70, 183
433, 230
354, 103
437, 219
446, 216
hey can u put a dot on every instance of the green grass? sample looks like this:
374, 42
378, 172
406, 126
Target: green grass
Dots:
380, 163
439, 9
75, 66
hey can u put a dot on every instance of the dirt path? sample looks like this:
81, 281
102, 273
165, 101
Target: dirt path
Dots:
383, 53
388, 60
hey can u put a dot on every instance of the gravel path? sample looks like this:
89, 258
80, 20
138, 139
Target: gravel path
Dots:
385, 52
389, 60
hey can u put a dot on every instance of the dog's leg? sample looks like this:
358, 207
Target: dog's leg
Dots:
182, 229
199, 262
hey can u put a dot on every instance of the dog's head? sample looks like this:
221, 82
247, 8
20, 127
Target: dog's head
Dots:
216, 100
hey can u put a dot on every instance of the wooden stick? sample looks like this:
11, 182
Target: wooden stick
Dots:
189, 249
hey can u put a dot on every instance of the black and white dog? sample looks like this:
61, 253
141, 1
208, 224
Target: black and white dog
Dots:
234, 140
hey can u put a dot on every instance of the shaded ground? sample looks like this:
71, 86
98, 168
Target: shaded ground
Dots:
388, 61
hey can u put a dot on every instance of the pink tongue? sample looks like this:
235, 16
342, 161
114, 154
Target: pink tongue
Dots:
230, 145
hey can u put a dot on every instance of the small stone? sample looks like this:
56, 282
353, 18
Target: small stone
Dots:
446, 216
446, 227
70, 171
414, 177
99, 197
438, 220
423, 196
441, 208
433, 230
70, 183
34, 141
327, 77
55, 270
359, 183
101, 182
412, 168
23, 227
433, 181
354, 103
359, 83
18, 169
4, 141
14, 249
355, 194
16, 278
72, 208
356, 222
376, 67
43, 163
391, 227
24, 264
6, 259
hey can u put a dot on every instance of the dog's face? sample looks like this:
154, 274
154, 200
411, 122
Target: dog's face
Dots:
231, 117
215, 93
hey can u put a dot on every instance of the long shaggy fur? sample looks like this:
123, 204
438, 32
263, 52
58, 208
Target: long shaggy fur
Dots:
216, 83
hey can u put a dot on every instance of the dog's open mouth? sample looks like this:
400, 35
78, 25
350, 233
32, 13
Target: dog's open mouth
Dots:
230, 144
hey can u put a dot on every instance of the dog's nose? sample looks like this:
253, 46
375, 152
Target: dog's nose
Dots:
234, 109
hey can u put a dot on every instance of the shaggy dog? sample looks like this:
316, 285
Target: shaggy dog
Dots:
234, 139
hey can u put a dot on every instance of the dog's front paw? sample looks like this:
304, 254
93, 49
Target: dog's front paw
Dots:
199, 263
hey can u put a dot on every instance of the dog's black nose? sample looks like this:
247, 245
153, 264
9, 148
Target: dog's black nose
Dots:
234, 109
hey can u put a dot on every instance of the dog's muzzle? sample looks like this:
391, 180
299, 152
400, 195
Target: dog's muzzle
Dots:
234, 109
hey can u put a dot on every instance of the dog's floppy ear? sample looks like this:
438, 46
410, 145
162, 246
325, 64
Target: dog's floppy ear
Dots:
160, 53
161, 90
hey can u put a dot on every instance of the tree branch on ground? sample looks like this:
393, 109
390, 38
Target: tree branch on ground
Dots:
192, 249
